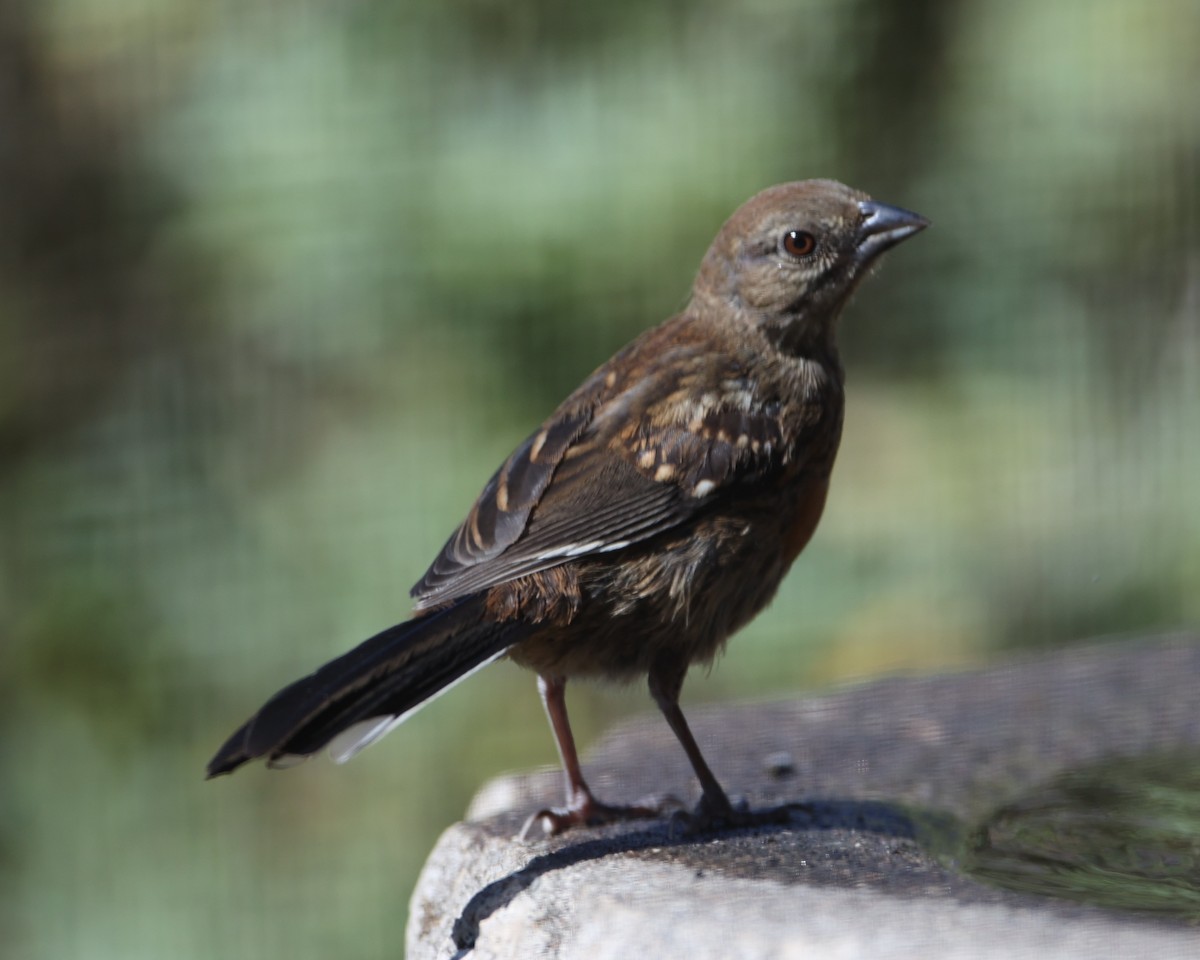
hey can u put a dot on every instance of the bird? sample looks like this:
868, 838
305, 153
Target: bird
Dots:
646, 520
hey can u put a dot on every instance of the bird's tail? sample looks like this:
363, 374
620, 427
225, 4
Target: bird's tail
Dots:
354, 700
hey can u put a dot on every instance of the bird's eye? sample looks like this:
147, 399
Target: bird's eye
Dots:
799, 243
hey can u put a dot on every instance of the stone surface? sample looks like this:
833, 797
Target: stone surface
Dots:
892, 772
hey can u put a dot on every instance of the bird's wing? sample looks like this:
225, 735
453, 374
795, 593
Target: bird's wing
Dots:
615, 465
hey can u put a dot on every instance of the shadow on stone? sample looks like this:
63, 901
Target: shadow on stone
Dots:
1054, 771
863, 816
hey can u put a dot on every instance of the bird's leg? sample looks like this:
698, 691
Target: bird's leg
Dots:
665, 685
582, 807
714, 808
554, 700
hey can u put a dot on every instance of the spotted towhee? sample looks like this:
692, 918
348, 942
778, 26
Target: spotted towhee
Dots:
652, 515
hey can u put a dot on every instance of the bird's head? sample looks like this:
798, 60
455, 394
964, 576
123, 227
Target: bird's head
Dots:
789, 258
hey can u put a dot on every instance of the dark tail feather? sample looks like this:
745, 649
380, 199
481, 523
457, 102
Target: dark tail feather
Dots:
385, 678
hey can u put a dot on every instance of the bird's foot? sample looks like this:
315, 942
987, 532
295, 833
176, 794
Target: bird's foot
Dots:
714, 813
586, 811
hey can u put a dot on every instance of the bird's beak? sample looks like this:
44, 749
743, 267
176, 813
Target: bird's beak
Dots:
884, 226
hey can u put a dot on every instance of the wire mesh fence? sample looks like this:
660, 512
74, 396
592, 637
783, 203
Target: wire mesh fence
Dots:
280, 284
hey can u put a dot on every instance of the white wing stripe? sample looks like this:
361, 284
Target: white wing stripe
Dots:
361, 735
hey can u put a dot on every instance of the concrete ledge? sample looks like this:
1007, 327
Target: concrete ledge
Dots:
893, 771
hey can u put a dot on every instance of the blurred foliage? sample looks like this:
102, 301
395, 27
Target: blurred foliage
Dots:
281, 283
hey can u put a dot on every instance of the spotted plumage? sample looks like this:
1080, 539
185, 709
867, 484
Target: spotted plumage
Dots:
648, 518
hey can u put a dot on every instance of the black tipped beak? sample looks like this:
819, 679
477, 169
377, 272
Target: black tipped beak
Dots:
884, 226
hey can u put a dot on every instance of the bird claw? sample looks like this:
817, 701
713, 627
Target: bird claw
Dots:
709, 817
592, 813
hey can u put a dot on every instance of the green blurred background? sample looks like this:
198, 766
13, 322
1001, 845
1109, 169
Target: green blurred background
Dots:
281, 283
